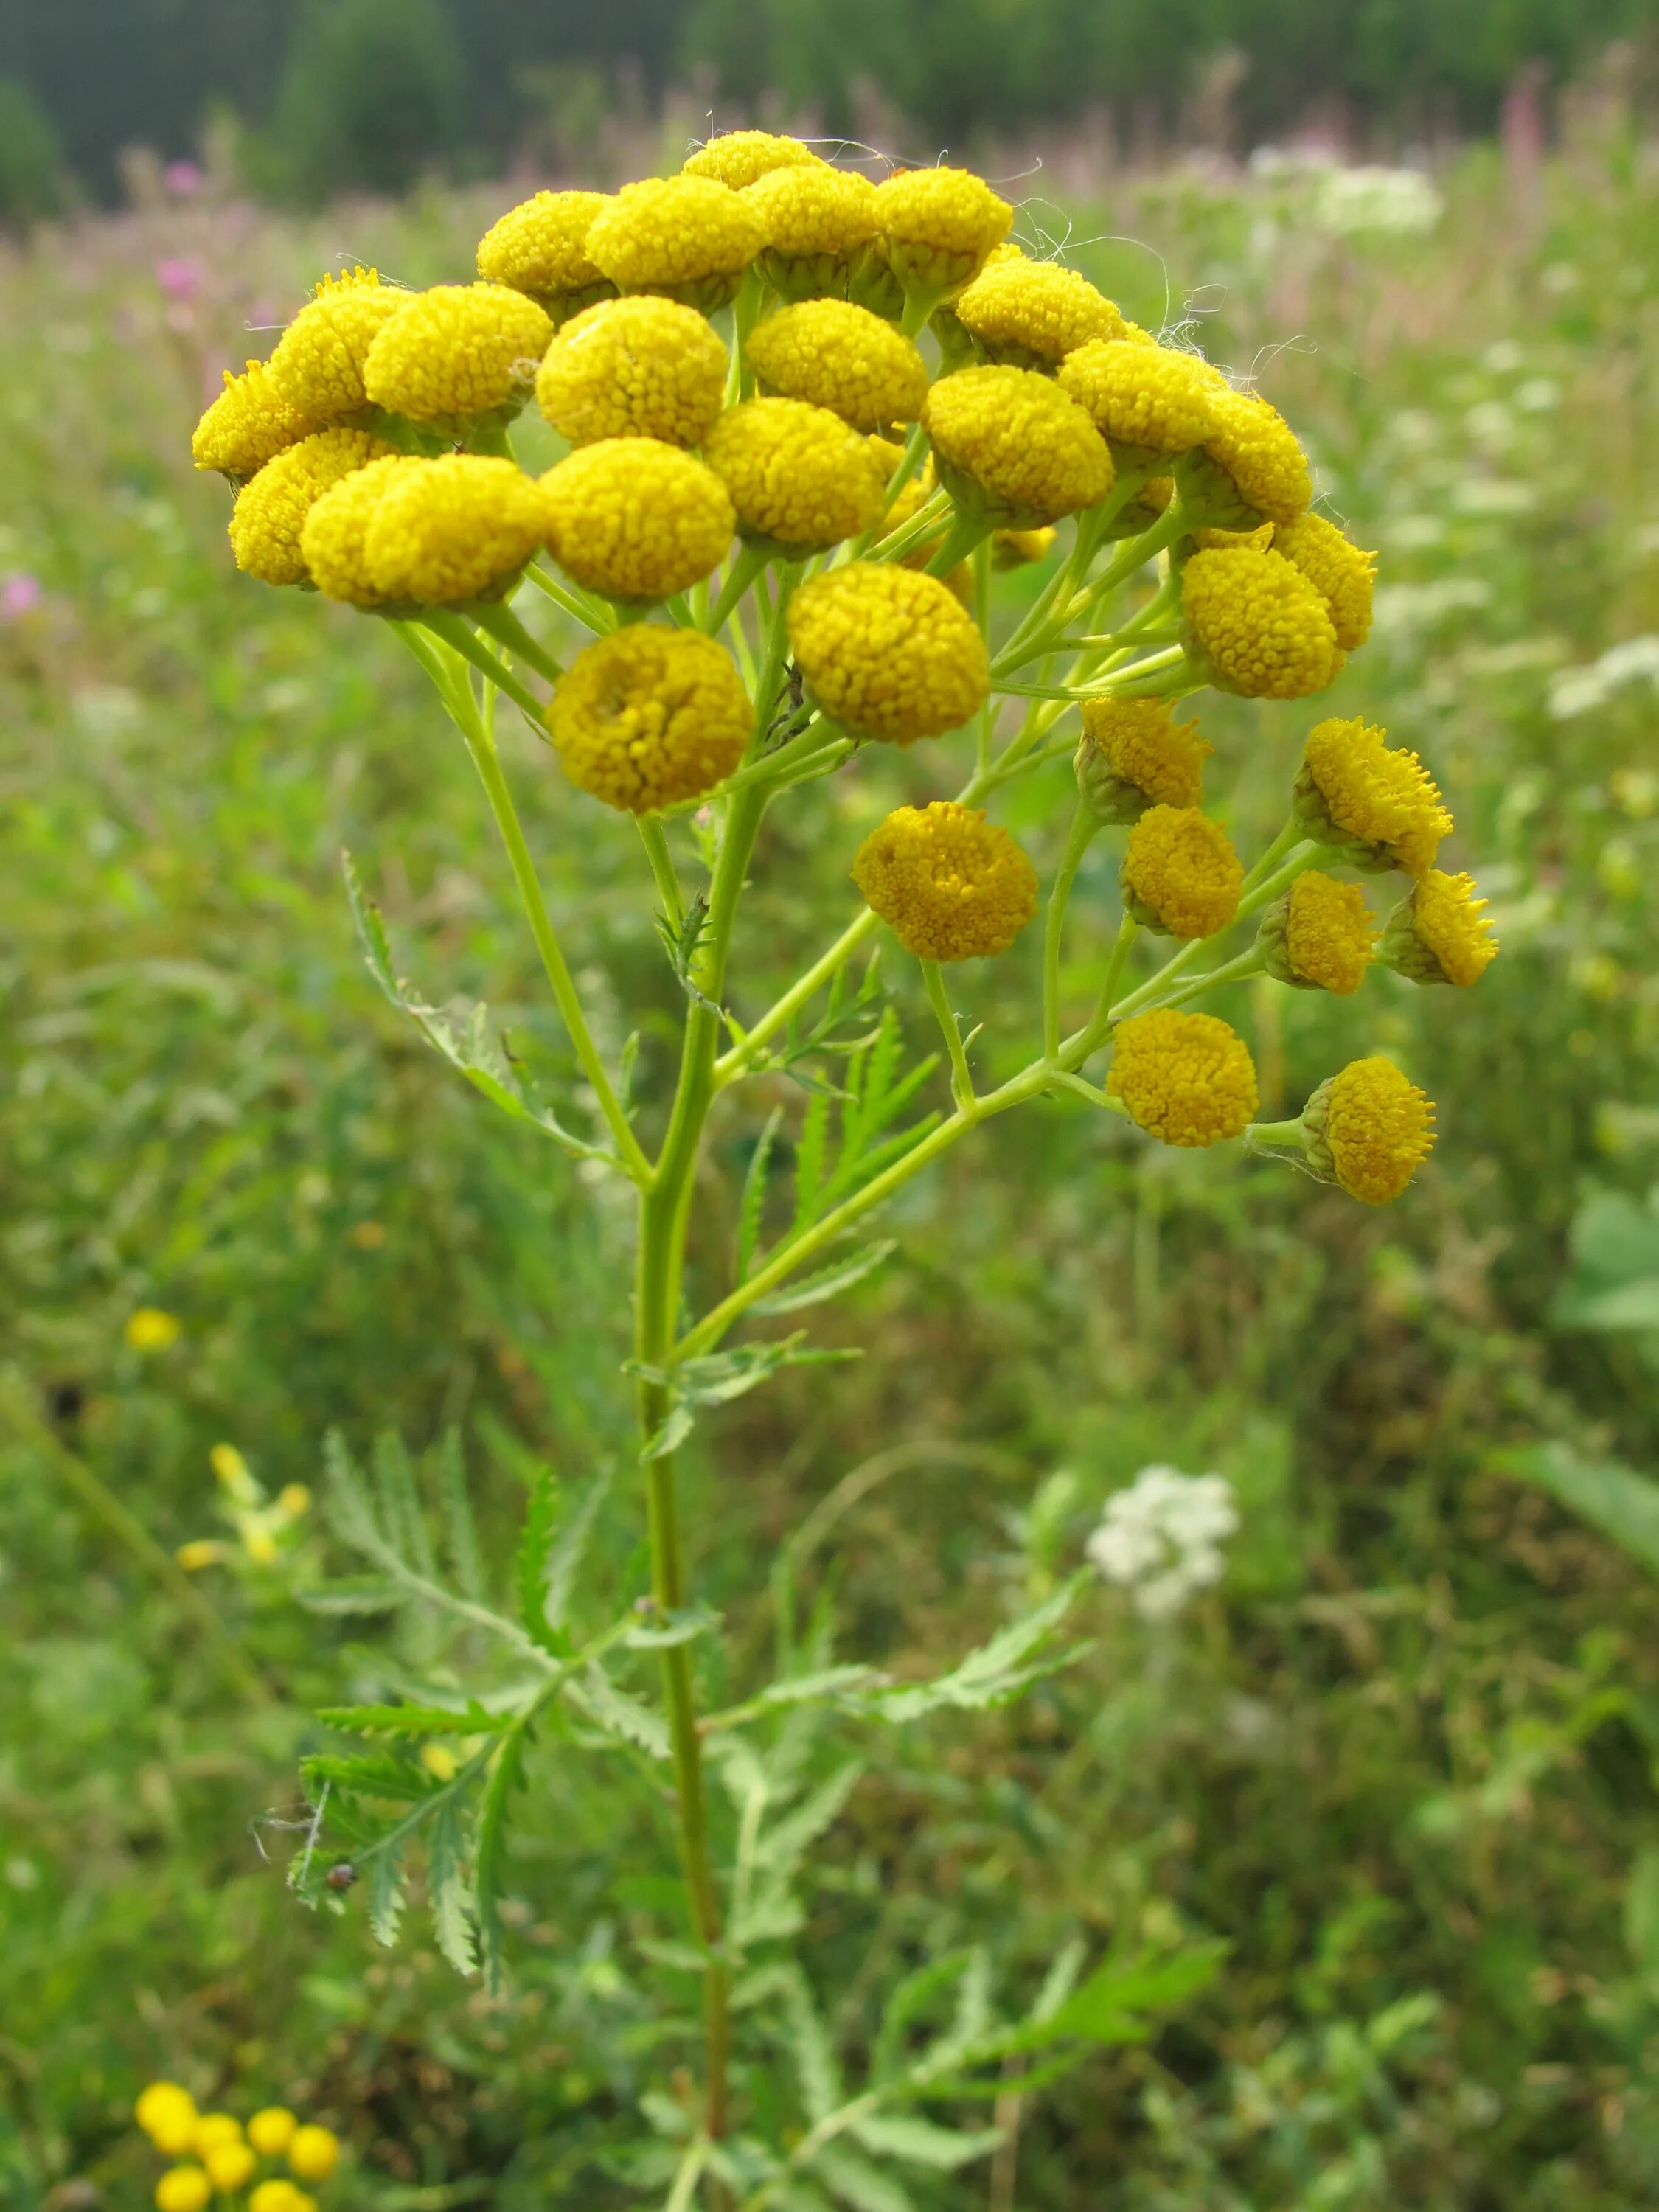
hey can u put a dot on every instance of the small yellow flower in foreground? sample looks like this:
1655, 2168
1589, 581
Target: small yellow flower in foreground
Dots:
1134, 754
1008, 443
1181, 874
689, 237
1440, 933
816, 223
167, 2116
317, 365
1185, 1079
1256, 625
270, 515
183, 2188
741, 157
278, 2195
1033, 314
201, 1552
1150, 398
456, 351
248, 425
639, 367
1017, 549
439, 1761
938, 225
230, 2166
797, 475
540, 246
1319, 935
1337, 569
1368, 1129
1257, 471
448, 530
215, 2128
651, 716
314, 2153
887, 653
637, 520
150, 1329
293, 1499
272, 2130
232, 1470
334, 543
1375, 800
950, 885
843, 358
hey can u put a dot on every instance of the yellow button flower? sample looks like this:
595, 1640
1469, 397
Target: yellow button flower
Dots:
950, 885
816, 223
183, 2188
639, 367
333, 543
1008, 443
248, 425
1341, 574
1375, 800
314, 2153
737, 158
150, 1329
842, 357
797, 475
278, 2195
214, 2131
540, 246
1033, 314
1440, 933
689, 237
1181, 875
166, 2112
1368, 1129
294, 1498
937, 226
887, 653
201, 1552
1185, 1079
317, 365
272, 2130
1252, 469
270, 513
230, 2166
1134, 754
1255, 625
1017, 549
1319, 935
1150, 398
651, 716
456, 352
637, 520
452, 529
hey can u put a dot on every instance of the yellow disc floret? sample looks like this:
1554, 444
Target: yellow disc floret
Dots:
183, 2188
454, 528
457, 351
937, 226
540, 246
950, 885
635, 519
1255, 625
797, 475
843, 358
1440, 933
1257, 472
1009, 444
687, 237
316, 365
1150, 398
1134, 754
887, 652
815, 222
314, 2153
1181, 874
737, 158
248, 425
1368, 1129
270, 512
1319, 935
272, 2130
1033, 314
1341, 574
651, 716
1375, 800
333, 544
1185, 1079
230, 2166
639, 368
167, 2116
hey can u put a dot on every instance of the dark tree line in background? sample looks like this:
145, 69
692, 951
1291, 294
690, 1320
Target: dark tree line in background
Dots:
337, 93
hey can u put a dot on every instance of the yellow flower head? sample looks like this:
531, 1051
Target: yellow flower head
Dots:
816, 223
1319, 935
278, 2195
150, 1329
231, 1469
1341, 574
1375, 800
797, 475
1150, 398
1368, 1129
687, 237
1255, 471
248, 425
650, 716
1440, 933
540, 246
637, 519
294, 1498
1181, 874
440, 1762
1033, 314
167, 2116
270, 513
937, 226
314, 2153
333, 543
1017, 549
950, 885
183, 2188
1255, 625
454, 528
456, 352
272, 2131
737, 158
1134, 754
639, 367
1185, 1079
201, 1552
843, 358
214, 2130
887, 652
1008, 443
230, 2166
317, 365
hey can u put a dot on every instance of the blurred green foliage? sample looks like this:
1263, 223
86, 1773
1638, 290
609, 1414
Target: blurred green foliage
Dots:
370, 97
30, 159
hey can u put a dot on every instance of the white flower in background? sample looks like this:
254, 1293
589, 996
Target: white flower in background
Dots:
1388, 203
1581, 690
1161, 1538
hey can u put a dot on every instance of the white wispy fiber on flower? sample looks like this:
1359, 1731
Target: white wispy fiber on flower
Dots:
1161, 1538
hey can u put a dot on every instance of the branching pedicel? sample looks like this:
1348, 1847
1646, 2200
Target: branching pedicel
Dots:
779, 543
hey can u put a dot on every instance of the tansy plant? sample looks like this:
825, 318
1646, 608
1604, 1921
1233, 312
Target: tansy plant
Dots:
808, 417
213, 2158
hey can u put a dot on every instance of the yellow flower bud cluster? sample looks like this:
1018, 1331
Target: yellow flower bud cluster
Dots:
887, 653
248, 425
937, 226
1133, 755
798, 477
219, 2157
455, 352
1375, 801
817, 224
1032, 314
1368, 1129
1256, 625
739, 158
689, 237
650, 716
1181, 874
317, 365
950, 885
842, 357
639, 368
1010, 444
637, 520
270, 512
1318, 937
540, 247
1185, 1079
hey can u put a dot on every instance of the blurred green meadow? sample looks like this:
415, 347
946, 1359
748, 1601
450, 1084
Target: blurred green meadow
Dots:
1402, 1761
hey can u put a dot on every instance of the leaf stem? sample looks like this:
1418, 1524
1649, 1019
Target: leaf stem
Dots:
1085, 828
962, 1080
